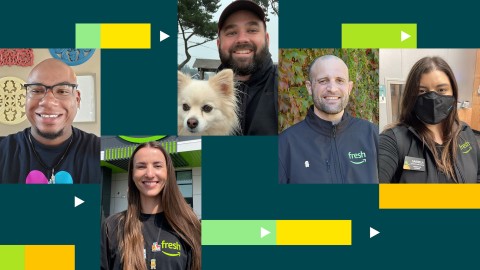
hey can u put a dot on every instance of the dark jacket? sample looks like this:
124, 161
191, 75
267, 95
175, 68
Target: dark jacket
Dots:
402, 141
258, 101
316, 151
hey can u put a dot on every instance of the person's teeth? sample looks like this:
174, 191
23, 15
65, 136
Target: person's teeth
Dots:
49, 115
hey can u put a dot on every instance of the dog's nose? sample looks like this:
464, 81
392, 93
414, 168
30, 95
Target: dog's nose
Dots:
192, 123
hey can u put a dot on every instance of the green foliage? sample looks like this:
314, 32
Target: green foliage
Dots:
294, 99
266, 5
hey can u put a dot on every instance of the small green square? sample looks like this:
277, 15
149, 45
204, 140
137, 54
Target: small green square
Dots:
87, 35
12, 257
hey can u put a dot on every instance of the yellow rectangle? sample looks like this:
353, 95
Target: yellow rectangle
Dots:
429, 196
50, 257
314, 232
125, 36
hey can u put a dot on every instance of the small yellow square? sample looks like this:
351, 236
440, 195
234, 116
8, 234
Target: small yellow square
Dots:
50, 257
314, 232
125, 36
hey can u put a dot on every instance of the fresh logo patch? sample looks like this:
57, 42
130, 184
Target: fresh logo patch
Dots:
174, 249
357, 158
465, 147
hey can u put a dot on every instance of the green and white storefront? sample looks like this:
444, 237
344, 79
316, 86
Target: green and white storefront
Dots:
186, 154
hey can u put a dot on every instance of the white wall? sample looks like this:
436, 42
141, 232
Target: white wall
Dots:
197, 191
396, 63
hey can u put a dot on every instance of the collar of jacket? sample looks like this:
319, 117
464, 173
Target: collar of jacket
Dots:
326, 127
414, 132
260, 75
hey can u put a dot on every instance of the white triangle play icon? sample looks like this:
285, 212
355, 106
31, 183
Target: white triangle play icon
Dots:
78, 201
163, 36
263, 232
404, 36
373, 232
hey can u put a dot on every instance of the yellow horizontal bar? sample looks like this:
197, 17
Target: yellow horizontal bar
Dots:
125, 36
50, 257
314, 232
429, 196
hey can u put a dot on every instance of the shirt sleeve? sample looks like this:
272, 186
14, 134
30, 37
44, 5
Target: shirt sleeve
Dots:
387, 156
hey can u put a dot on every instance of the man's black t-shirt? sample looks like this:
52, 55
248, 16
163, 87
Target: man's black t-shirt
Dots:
20, 164
163, 249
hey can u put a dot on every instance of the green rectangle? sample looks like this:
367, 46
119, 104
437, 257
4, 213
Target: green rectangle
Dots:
12, 257
238, 232
87, 35
379, 36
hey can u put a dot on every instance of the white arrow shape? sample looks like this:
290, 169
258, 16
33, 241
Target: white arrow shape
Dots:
404, 36
78, 201
263, 232
373, 232
163, 36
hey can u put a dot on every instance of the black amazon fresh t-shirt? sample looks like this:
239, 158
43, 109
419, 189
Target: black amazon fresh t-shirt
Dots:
163, 249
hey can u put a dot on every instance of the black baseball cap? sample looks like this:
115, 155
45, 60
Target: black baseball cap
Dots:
240, 5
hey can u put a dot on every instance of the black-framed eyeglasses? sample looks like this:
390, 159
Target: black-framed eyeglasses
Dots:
59, 91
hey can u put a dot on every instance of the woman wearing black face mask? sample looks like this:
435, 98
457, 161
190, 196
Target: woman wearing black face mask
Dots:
429, 144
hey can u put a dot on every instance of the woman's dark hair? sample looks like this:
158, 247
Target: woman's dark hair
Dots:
450, 126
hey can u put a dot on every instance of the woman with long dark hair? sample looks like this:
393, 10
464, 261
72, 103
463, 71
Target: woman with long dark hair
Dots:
159, 230
429, 144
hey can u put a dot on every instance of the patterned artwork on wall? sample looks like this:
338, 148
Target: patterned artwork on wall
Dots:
72, 57
16, 57
12, 100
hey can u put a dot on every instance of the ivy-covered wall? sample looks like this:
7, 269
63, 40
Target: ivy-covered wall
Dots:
293, 72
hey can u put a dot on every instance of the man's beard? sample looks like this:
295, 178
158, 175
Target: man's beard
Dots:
327, 108
248, 68
49, 135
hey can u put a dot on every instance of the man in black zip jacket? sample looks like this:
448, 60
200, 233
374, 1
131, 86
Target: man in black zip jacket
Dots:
243, 46
329, 146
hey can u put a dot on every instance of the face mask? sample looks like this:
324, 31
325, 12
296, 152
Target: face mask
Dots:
433, 108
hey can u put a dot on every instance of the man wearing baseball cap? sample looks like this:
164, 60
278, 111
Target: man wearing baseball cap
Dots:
243, 46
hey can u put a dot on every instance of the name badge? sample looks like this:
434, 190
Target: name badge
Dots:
414, 164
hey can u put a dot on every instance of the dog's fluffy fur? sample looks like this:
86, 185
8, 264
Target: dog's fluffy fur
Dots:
207, 107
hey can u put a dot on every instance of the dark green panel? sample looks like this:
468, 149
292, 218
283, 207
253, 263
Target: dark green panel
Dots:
45, 215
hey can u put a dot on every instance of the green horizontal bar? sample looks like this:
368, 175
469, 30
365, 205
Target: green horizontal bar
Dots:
378, 35
238, 232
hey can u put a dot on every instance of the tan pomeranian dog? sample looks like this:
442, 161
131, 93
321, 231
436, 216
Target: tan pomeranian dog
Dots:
207, 107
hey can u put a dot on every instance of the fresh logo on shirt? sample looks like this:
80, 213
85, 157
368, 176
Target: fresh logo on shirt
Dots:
465, 147
357, 158
172, 248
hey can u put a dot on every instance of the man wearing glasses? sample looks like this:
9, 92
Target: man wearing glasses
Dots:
51, 151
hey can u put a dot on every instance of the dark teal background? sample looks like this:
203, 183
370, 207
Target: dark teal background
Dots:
240, 182
239, 175
45, 215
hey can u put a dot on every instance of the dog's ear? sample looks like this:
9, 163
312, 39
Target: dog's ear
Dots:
223, 81
183, 80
